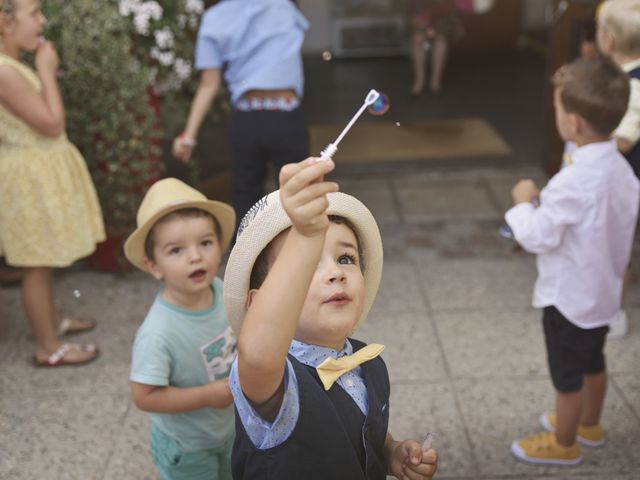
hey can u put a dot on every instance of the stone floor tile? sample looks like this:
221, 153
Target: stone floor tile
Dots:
628, 387
497, 412
131, 458
57, 435
623, 355
411, 348
399, 290
378, 198
419, 408
492, 343
438, 201
478, 283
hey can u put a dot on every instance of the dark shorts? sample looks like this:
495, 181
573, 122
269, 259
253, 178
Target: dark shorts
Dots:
572, 351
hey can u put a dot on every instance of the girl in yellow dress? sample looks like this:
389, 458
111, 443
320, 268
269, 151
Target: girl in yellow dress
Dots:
49, 211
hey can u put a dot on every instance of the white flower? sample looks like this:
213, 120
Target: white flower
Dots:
194, 6
126, 7
153, 9
164, 58
182, 68
164, 38
167, 40
142, 12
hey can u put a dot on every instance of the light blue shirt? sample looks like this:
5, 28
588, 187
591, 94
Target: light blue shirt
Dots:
184, 348
257, 41
266, 435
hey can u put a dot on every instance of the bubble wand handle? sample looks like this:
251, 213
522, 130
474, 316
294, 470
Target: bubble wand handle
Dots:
332, 148
427, 443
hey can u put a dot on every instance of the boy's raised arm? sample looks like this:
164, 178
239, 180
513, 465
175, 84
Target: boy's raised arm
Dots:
273, 313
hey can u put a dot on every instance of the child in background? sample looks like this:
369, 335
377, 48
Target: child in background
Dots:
257, 46
302, 275
582, 232
50, 215
184, 348
618, 36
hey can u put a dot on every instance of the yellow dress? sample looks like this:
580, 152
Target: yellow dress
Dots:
49, 210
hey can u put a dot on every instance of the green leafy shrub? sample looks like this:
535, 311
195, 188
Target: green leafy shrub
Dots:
106, 91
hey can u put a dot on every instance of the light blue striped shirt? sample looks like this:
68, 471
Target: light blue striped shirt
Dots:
257, 42
266, 435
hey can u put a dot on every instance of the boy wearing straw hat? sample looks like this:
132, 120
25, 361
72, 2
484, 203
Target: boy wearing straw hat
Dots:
184, 349
310, 402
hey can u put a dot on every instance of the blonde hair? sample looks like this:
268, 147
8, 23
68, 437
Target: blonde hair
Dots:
621, 19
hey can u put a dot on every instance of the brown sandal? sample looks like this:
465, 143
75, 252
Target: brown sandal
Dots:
71, 326
57, 358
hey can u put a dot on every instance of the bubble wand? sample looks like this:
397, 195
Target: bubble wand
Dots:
332, 148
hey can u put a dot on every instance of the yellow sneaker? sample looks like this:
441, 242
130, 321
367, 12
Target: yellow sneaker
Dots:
544, 448
590, 436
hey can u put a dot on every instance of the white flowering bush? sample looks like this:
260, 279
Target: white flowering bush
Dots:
127, 81
163, 36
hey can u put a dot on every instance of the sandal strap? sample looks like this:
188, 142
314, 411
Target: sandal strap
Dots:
59, 354
64, 326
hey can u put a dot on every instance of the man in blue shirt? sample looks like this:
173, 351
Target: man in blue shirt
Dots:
256, 45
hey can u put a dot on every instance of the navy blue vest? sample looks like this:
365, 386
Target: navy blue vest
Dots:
332, 439
633, 155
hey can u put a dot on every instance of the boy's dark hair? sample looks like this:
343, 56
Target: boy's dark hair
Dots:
149, 242
595, 89
262, 265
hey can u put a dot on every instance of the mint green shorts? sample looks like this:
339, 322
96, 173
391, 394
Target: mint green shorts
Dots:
173, 464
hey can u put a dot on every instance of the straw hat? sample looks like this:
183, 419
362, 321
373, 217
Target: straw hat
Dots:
266, 220
166, 196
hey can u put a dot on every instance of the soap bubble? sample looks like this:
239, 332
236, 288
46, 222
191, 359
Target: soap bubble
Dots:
380, 106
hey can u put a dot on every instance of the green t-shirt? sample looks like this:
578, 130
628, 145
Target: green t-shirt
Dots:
184, 348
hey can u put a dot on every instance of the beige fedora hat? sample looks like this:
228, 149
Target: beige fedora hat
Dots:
166, 196
266, 220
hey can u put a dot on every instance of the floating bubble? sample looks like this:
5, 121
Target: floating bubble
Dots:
326, 55
380, 106
77, 293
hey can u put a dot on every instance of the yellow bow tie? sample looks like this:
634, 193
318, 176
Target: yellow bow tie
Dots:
332, 368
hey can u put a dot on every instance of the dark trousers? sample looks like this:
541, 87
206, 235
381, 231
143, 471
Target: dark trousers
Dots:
257, 138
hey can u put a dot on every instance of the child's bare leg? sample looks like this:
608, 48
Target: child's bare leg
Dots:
438, 61
593, 393
418, 61
37, 298
568, 410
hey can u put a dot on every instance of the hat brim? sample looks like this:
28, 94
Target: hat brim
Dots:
223, 213
269, 221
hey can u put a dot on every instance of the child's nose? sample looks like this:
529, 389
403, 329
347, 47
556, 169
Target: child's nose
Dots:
336, 274
194, 254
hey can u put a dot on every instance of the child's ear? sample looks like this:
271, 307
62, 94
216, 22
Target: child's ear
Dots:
250, 296
152, 267
606, 40
575, 123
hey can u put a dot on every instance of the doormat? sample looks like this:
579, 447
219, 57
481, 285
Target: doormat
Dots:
401, 141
